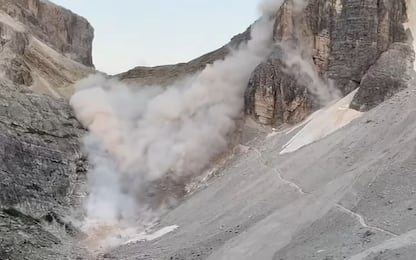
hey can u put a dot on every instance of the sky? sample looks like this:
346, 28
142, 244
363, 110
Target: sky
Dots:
130, 33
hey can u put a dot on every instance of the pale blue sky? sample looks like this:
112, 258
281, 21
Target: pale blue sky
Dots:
129, 33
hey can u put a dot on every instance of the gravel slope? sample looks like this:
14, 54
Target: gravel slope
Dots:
351, 195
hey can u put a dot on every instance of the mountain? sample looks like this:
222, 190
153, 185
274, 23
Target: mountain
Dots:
333, 179
43, 46
44, 50
343, 40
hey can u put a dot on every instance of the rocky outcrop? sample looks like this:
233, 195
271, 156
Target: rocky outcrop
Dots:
44, 46
390, 74
343, 39
276, 96
64, 31
363, 30
42, 173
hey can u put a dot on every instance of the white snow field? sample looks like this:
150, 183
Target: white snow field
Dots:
323, 123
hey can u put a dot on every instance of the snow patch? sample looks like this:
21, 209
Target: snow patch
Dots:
323, 123
152, 236
104, 236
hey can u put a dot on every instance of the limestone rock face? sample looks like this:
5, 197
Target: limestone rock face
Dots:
44, 46
64, 31
343, 39
390, 74
363, 30
42, 174
276, 96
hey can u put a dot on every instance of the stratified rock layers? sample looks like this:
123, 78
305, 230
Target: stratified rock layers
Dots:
44, 46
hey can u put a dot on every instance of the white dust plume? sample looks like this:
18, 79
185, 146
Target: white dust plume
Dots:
269, 7
297, 56
141, 135
144, 142
306, 74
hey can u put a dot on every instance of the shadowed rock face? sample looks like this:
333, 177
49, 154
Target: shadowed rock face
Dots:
42, 173
390, 74
44, 46
276, 96
363, 30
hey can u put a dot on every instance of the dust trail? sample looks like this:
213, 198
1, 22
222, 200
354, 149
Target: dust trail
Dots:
297, 56
306, 74
269, 7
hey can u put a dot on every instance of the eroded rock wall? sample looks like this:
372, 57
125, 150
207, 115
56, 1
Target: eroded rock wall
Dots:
390, 74
64, 31
42, 175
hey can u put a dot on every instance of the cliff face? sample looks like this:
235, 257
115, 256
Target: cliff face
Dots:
42, 173
390, 74
344, 39
44, 46
64, 31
